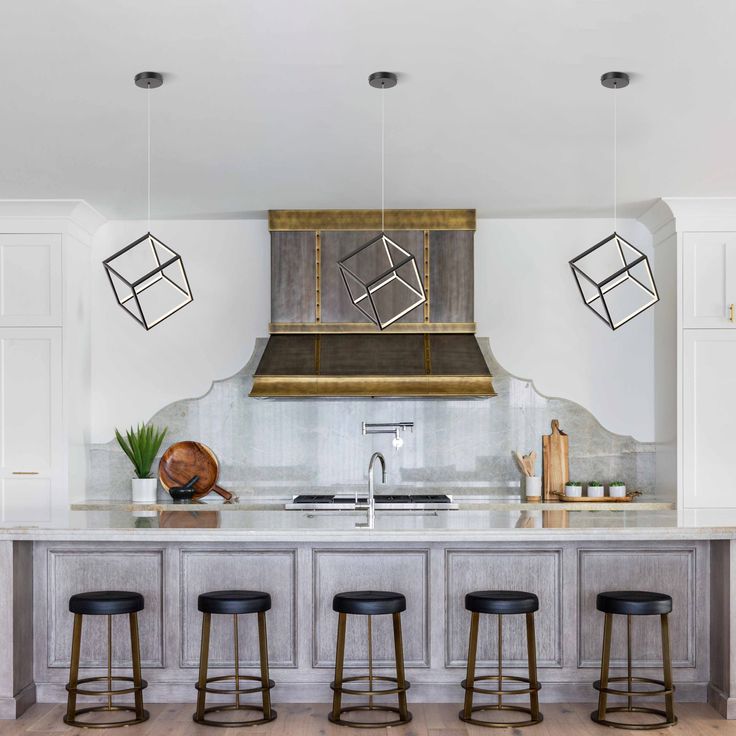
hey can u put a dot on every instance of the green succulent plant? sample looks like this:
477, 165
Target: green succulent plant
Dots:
141, 445
595, 483
617, 483
573, 483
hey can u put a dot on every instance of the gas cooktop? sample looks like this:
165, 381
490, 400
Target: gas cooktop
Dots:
395, 502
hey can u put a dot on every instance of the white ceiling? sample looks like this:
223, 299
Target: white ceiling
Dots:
266, 103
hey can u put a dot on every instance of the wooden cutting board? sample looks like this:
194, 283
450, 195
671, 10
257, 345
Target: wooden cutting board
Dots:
555, 462
184, 460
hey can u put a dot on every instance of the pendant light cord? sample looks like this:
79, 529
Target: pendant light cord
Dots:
615, 155
148, 152
383, 156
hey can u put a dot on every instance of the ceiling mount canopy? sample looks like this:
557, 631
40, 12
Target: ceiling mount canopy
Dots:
149, 80
383, 80
614, 277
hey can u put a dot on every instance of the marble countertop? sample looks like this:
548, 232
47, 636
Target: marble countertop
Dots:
210, 524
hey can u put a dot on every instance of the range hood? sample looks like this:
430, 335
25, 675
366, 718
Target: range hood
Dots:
429, 365
322, 346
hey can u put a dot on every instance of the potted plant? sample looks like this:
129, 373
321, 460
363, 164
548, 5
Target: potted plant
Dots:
141, 445
573, 488
617, 489
595, 489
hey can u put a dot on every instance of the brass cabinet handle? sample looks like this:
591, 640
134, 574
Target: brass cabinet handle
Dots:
730, 312
25, 472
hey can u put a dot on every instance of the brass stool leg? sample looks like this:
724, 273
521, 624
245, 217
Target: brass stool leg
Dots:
370, 660
204, 654
109, 662
135, 648
339, 663
470, 674
400, 674
236, 658
71, 701
629, 673
263, 645
669, 698
500, 661
531, 647
605, 663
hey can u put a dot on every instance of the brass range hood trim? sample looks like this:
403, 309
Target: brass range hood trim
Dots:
306, 220
364, 328
383, 386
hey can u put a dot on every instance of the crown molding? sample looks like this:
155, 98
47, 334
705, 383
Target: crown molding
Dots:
77, 211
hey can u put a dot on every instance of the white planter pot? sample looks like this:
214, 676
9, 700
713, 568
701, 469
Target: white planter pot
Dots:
144, 490
573, 490
596, 491
617, 491
532, 486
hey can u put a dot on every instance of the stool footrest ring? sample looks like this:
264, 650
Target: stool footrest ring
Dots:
363, 678
105, 709
370, 724
234, 724
664, 723
634, 693
234, 691
76, 690
531, 721
533, 688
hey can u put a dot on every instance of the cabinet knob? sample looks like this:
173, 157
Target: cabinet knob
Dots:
730, 313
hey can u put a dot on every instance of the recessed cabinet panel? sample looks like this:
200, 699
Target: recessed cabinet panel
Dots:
709, 280
709, 408
30, 421
30, 280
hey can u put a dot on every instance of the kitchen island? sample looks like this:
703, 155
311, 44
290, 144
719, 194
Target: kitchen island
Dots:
304, 558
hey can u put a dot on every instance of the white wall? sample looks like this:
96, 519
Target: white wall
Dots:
134, 372
526, 302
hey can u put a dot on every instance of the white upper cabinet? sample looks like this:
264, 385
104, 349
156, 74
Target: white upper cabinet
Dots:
709, 280
30, 280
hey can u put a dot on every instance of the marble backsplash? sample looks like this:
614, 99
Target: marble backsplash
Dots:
285, 446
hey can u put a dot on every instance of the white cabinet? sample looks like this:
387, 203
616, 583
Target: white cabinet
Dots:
30, 280
30, 422
709, 280
709, 418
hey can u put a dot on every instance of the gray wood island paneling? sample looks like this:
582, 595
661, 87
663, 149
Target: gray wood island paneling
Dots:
40, 570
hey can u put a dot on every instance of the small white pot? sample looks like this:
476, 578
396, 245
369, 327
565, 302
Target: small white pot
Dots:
144, 490
617, 491
573, 490
532, 486
596, 491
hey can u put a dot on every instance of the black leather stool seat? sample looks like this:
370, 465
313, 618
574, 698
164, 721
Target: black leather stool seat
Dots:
634, 602
501, 601
369, 602
234, 601
106, 603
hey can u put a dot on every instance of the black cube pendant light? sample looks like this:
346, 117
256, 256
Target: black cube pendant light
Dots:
147, 277
614, 277
382, 278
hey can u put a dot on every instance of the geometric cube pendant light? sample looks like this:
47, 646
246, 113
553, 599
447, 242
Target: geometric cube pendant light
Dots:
614, 278
147, 277
382, 278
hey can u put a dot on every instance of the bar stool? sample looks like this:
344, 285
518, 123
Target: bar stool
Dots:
369, 603
234, 602
106, 603
501, 603
634, 603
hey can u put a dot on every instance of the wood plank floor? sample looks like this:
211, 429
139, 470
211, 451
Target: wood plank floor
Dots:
696, 719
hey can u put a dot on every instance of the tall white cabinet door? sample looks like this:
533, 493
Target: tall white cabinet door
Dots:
30, 422
30, 280
709, 419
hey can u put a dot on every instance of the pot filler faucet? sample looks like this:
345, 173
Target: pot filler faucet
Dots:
394, 428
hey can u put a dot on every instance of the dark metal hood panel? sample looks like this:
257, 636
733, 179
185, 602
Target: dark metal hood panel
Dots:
391, 365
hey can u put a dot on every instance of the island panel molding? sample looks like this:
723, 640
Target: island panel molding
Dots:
271, 570
531, 569
674, 570
400, 570
71, 571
